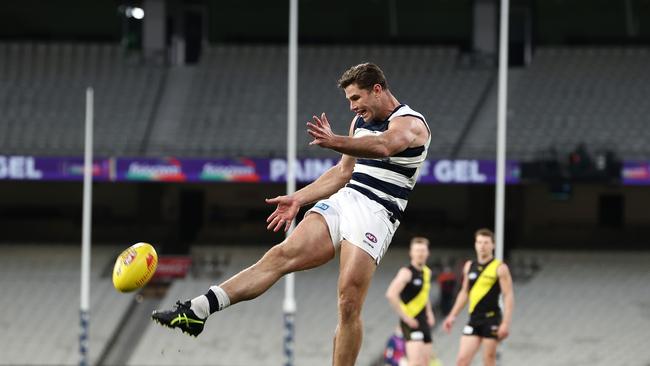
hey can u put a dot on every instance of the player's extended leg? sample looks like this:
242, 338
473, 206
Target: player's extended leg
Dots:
489, 351
308, 246
418, 353
468, 347
355, 273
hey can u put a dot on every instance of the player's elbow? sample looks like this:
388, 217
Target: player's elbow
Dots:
345, 173
389, 295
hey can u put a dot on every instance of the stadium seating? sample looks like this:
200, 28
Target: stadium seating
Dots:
235, 96
579, 309
40, 304
42, 96
571, 95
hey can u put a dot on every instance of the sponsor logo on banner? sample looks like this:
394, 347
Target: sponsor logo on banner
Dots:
307, 170
636, 172
243, 171
19, 167
76, 169
161, 170
459, 171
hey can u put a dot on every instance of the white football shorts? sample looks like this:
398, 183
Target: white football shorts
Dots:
356, 218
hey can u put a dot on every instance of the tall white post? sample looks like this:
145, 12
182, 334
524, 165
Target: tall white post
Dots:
501, 129
85, 230
289, 304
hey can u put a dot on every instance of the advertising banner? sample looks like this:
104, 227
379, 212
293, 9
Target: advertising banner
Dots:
256, 170
636, 173
18, 167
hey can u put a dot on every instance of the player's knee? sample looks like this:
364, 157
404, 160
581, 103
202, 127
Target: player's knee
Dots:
282, 257
463, 360
349, 306
489, 356
417, 361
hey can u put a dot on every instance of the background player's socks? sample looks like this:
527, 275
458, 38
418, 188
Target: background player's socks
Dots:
214, 300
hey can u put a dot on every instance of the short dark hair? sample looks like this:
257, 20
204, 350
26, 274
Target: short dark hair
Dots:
484, 232
419, 240
365, 75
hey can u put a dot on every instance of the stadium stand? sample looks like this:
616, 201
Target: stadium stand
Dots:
43, 98
234, 96
579, 309
235, 99
40, 304
217, 108
568, 96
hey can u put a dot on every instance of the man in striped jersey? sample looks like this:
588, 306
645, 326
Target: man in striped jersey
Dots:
359, 205
484, 280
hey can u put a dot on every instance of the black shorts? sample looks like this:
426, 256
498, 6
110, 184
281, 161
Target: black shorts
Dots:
485, 327
421, 333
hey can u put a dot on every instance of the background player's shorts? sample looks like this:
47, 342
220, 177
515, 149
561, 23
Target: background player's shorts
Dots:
421, 333
485, 327
356, 218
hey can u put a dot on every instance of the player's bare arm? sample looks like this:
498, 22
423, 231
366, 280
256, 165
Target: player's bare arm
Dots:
431, 319
331, 181
505, 282
461, 300
392, 294
402, 133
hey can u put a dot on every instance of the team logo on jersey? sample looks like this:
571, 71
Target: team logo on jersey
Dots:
323, 206
371, 237
417, 281
472, 275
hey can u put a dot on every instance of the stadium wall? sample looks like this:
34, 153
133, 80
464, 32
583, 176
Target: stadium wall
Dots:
176, 215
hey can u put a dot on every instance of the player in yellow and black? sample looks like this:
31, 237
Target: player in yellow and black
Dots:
484, 281
408, 294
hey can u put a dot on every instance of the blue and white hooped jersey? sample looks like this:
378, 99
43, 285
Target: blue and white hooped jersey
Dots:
389, 181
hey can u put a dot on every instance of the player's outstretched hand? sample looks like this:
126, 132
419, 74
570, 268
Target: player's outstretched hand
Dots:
321, 131
284, 214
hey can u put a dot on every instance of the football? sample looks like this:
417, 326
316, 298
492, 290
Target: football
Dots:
134, 267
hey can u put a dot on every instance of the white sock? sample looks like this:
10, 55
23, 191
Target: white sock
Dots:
222, 297
200, 306
214, 300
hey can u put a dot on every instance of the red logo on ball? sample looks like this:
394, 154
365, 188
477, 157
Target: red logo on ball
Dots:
150, 260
